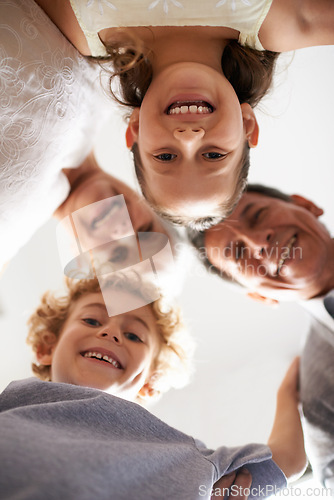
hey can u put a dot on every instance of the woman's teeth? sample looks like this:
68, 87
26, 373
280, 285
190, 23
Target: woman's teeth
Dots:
193, 109
102, 219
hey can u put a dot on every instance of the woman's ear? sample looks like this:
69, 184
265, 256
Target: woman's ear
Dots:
131, 134
45, 349
264, 300
307, 204
250, 125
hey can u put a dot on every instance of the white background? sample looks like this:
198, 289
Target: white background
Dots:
244, 348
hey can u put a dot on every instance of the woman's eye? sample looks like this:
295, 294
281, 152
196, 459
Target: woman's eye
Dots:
133, 337
146, 229
213, 155
120, 254
165, 157
91, 321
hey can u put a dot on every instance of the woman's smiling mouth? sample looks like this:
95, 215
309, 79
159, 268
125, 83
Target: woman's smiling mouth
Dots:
190, 107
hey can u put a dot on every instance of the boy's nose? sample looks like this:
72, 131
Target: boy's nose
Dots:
111, 334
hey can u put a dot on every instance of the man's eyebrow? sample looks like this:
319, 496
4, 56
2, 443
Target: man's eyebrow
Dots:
246, 209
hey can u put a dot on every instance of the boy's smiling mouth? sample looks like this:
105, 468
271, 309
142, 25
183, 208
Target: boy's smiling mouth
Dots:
103, 356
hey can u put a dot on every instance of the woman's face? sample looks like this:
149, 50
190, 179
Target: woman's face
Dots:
191, 132
107, 215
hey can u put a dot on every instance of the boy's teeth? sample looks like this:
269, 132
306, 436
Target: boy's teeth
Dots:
98, 355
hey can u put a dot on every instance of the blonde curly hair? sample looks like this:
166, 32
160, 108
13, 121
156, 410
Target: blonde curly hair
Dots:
172, 366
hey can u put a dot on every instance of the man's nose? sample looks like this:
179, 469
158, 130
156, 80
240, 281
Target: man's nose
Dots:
189, 134
259, 242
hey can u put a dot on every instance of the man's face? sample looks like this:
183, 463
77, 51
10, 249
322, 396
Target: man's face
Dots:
276, 248
114, 354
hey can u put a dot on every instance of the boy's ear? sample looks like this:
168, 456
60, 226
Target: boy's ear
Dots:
307, 204
44, 352
250, 124
147, 391
260, 298
131, 134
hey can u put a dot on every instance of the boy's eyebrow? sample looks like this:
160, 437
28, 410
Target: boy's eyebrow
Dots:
137, 318
96, 304
131, 316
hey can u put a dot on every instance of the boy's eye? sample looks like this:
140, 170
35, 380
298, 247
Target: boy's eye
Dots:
133, 337
213, 155
91, 321
165, 157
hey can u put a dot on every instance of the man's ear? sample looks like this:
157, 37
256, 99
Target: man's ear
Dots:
307, 204
44, 352
250, 124
260, 298
131, 134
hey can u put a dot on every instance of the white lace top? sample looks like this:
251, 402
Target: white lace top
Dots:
50, 104
245, 16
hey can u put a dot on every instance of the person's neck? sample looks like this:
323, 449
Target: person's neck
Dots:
187, 44
328, 279
172, 44
76, 177
331, 266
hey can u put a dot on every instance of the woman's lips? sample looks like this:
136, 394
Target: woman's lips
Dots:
189, 100
105, 212
188, 107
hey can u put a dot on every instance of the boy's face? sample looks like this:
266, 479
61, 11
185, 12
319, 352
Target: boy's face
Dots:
129, 343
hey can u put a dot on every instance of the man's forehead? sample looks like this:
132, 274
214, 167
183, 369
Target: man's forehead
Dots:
249, 199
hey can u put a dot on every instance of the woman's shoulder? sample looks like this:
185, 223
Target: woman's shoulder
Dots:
63, 16
291, 24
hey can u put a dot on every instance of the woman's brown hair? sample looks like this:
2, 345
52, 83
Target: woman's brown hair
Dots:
249, 71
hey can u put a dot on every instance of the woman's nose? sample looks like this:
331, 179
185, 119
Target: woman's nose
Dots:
189, 134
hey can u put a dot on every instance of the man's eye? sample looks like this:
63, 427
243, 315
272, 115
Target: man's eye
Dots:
165, 157
91, 321
132, 336
240, 251
213, 155
258, 213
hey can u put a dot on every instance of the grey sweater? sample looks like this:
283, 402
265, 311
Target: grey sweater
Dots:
64, 441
